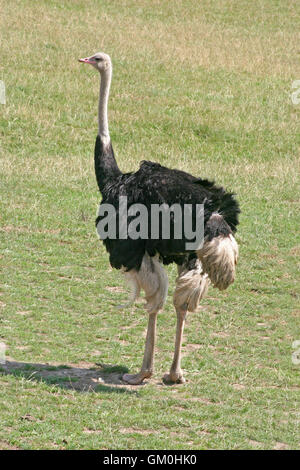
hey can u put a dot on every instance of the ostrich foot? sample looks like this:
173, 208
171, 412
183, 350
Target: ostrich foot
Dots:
136, 379
174, 378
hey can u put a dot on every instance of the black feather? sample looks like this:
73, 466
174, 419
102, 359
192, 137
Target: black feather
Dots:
106, 167
155, 184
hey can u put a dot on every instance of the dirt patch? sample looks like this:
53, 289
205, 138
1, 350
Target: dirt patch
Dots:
115, 289
204, 433
144, 432
280, 446
6, 446
239, 386
192, 347
206, 401
221, 334
92, 431
255, 444
295, 250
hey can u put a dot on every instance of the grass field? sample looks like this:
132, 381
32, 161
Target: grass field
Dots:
203, 86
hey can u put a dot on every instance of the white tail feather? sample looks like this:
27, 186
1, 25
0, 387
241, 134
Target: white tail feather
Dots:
219, 257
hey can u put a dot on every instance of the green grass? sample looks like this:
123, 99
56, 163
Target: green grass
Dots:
201, 86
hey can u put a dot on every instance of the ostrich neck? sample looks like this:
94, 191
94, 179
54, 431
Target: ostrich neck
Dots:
102, 108
106, 167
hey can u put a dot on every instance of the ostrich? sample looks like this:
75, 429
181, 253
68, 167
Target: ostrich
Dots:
143, 259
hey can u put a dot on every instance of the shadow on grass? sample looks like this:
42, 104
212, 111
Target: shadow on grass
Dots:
101, 378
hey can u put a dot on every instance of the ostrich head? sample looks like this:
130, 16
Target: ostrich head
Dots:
100, 61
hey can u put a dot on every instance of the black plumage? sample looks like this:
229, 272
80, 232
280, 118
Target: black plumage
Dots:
156, 184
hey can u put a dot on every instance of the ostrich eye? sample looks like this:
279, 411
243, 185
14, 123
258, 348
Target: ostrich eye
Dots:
98, 59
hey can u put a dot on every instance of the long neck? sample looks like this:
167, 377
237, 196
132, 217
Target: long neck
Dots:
106, 167
102, 107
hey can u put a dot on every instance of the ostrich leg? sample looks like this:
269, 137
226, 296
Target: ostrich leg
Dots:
147, 365
153, 279
176, 375
191, 286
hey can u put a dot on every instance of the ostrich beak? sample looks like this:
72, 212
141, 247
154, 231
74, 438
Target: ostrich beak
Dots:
86, 60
